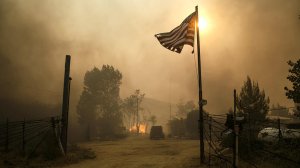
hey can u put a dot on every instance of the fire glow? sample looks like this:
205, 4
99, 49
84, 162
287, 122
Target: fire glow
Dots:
142, 129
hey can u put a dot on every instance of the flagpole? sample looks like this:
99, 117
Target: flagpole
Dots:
201, 129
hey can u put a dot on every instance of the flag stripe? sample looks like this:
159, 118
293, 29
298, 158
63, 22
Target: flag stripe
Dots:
174, 35
179, 36
187, 20
183, 40
180, 28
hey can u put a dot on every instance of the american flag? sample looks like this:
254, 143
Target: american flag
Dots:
179, 36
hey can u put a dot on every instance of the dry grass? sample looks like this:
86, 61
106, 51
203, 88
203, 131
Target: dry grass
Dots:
132, 152
141, 152
75, 155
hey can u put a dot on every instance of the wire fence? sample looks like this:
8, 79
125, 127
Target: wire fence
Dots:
266, 137
26, 136
214, 127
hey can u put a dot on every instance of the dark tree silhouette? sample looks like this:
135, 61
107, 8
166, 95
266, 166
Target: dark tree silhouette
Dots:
252, 101
99, 104
294, 78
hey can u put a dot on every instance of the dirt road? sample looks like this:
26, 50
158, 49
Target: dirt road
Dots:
140, 152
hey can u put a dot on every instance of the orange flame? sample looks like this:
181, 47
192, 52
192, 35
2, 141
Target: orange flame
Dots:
142, 129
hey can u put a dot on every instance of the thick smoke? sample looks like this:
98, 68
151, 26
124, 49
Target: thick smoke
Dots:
254, 38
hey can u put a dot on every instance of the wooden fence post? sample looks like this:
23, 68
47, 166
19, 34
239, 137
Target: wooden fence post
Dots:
279, 130
6, 137
235, 132
65, 105
23, 137
209, 149
53, 124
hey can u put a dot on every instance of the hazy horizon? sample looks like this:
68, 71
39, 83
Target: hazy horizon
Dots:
254, 38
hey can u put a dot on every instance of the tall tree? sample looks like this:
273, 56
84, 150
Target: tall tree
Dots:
131, 107
252, 101
253, 104
294, 78
99, 104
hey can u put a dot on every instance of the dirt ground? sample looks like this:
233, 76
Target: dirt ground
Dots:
141, 152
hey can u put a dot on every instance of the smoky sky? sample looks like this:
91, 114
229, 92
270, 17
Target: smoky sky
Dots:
254, 38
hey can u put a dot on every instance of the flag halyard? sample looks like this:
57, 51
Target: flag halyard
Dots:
179, 36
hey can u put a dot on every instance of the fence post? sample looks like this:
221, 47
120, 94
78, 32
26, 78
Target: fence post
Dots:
65, 105
23, 137
209, 150
6, 137
237, 129
279, 130
235, 146
53, 124
249, 134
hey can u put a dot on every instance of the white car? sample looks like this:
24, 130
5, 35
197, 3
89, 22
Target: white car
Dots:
272, 134
268, 134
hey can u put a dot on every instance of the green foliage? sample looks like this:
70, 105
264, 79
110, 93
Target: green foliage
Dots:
294, 78
100, 101
252, 102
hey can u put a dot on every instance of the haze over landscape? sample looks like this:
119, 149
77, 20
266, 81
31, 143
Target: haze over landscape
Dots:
130, 102
254, 38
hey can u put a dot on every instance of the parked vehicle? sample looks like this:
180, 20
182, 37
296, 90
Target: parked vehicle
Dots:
269, 134
156, 132
272, 134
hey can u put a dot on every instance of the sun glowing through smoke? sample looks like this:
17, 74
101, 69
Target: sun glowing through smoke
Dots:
202, 24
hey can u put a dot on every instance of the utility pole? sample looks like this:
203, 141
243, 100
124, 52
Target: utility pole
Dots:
235, 133
209, 150
201, 124
6, 136
23, 137
170, 111
137, 115
65, 105
170, 100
